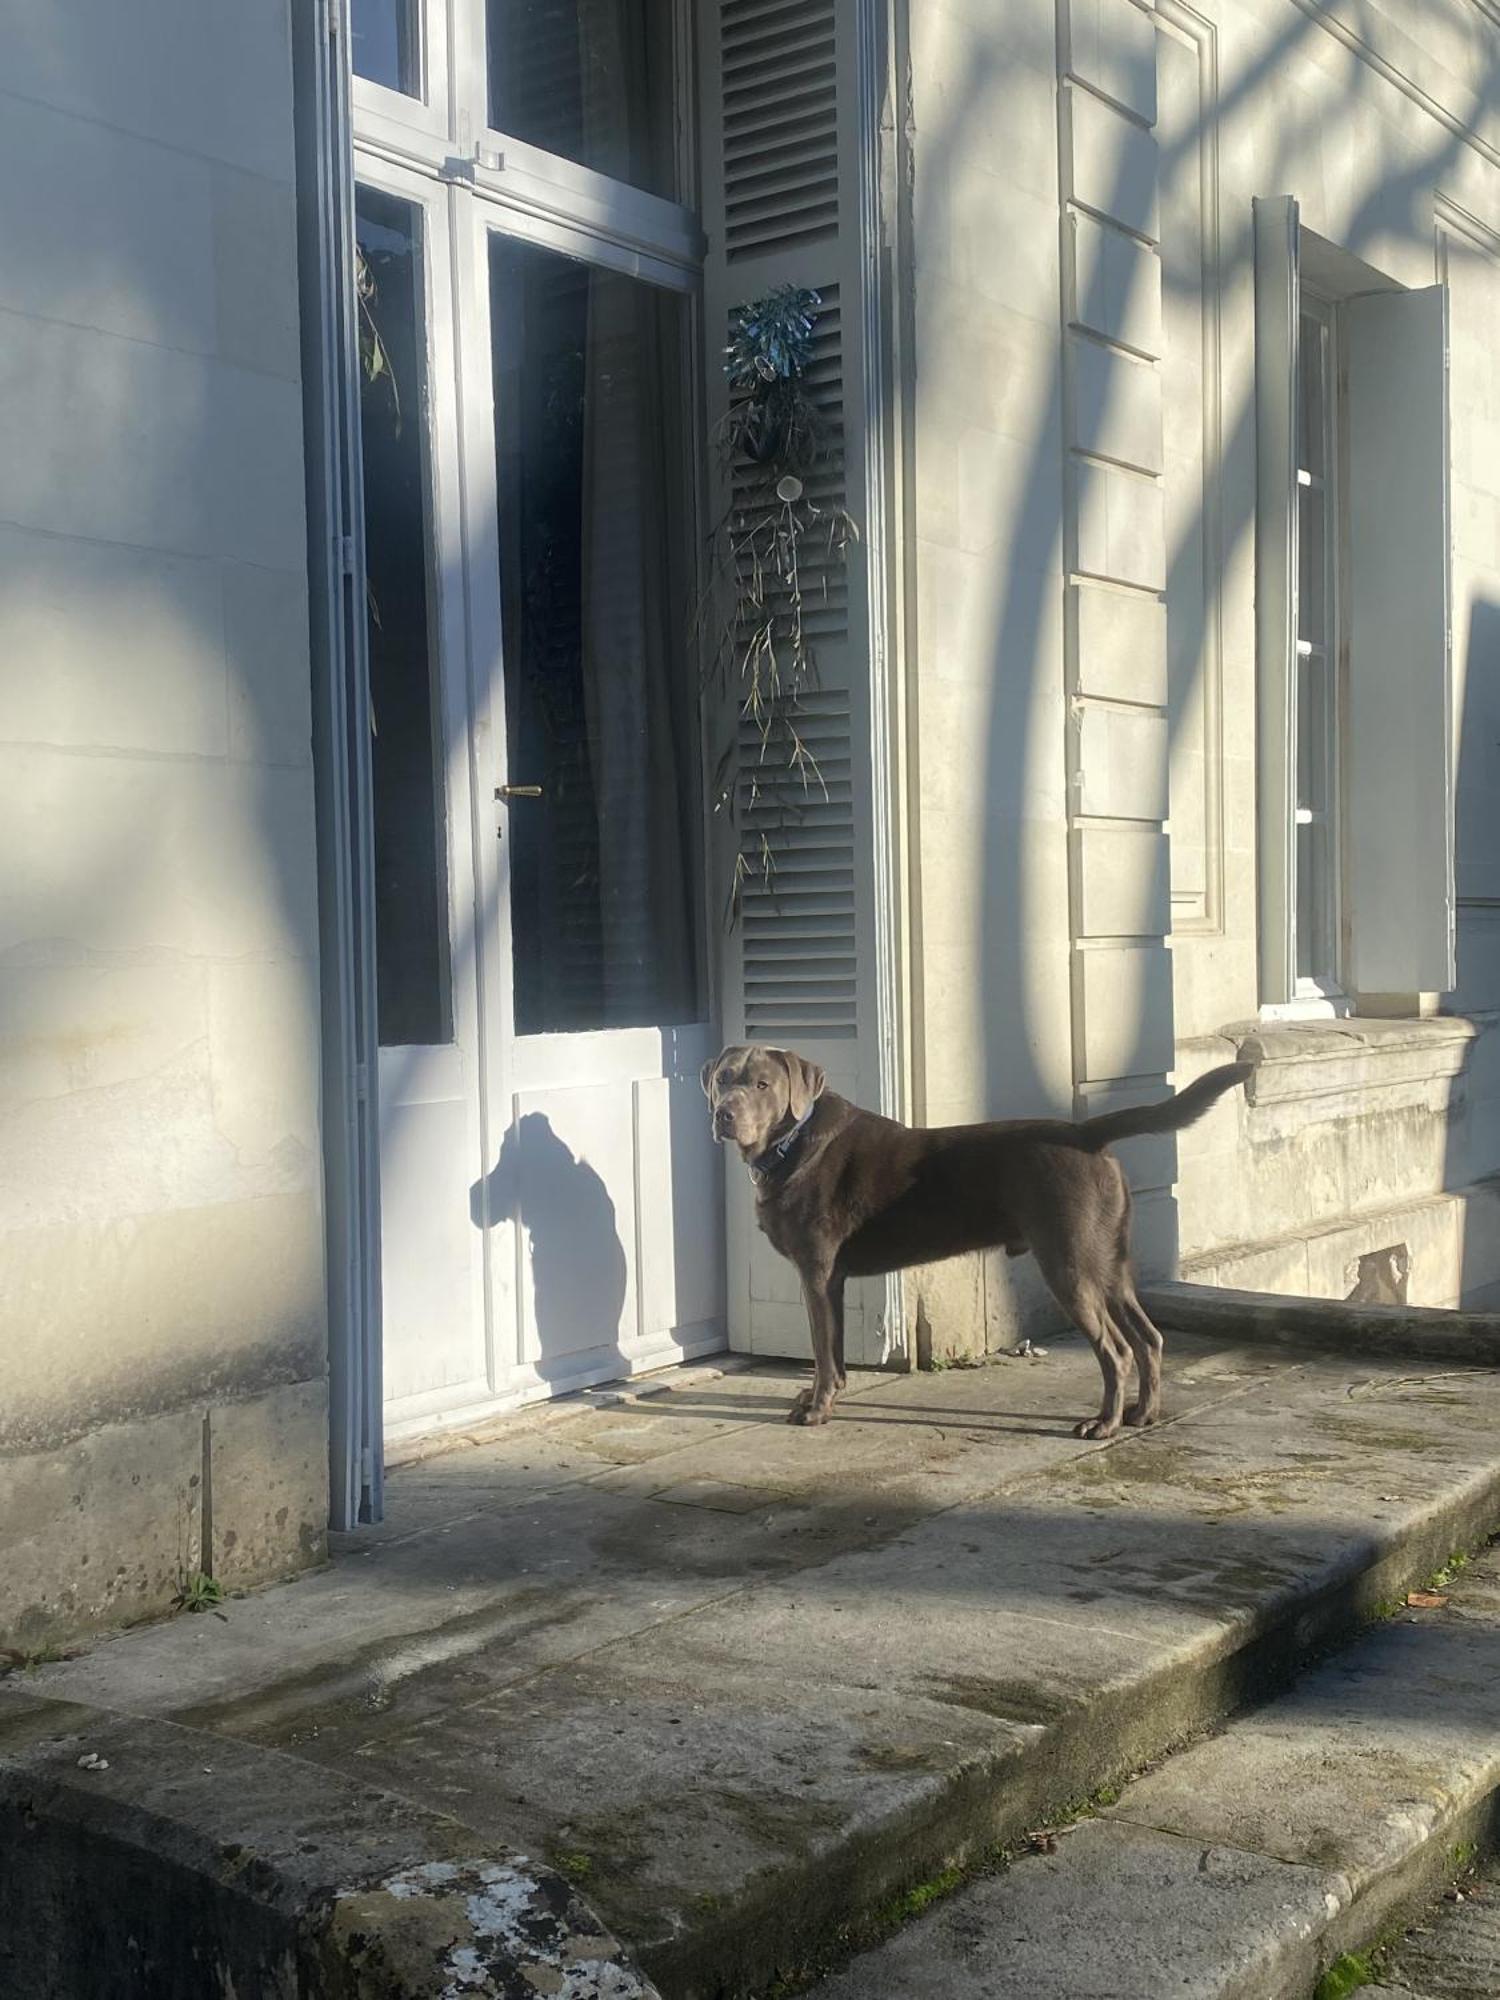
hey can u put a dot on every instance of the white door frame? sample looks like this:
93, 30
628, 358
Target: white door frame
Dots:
420, 150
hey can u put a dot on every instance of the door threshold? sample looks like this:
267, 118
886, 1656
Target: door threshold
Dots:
483, 1423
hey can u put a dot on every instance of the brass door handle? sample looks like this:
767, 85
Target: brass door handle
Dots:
518, 791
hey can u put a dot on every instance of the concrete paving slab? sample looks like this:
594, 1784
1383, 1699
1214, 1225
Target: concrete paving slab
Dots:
747, 1681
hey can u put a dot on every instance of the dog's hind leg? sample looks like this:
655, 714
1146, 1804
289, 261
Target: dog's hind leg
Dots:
1146, 1343
1083, 1301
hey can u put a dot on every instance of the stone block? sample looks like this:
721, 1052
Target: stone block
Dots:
118, 1318
115, 233
1121, 761
268, 668
1006, 500
1150, 1160
98, 1532
147, 854
1121, 880
269, 1483
1113, 163
1119, 525
1111, 45
111, 647
946, 1310
215, 81
1125, 1001
1115, 405
1114, 284
89, 1028
1153, 1234
119, 441
255, 273
263, 1050
1118, 644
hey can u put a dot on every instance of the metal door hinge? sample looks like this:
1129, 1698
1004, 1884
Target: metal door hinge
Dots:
335, 19
346, 554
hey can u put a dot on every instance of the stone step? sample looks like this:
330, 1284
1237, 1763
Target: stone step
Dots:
1247, 1866
748, 1686
1453, 1953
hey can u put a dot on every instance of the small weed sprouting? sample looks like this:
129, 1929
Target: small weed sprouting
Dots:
199, 1592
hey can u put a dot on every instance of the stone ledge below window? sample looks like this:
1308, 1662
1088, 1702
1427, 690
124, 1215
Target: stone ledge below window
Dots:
1301, 1059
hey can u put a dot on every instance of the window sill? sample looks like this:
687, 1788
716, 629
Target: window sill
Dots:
1318, 1058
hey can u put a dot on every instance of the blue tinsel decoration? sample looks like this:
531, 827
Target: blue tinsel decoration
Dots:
771, 339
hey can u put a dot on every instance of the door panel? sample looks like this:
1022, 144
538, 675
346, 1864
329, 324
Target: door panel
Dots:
583, 1242
575, 1155
429, 1339
435, 1342
530, 406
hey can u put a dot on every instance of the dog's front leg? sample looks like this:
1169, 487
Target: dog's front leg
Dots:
824, 1296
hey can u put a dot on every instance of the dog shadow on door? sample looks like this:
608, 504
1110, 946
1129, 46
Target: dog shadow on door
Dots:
578, 1270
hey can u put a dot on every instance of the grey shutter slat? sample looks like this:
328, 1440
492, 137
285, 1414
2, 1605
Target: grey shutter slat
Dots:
1276, 309
781, 148
1399, 822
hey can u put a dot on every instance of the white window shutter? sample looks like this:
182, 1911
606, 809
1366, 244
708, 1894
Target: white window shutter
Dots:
1399, 762
782, 154
1277, 302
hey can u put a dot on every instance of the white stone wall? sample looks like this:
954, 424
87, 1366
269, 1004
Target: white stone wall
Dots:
1081, 548
161, 1263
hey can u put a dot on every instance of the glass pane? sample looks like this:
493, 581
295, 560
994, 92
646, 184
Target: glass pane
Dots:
411, 854
589, 79
1312, 399
591, 395
1312, 565
1316, 954
1316, 901
385, 40
1314, 735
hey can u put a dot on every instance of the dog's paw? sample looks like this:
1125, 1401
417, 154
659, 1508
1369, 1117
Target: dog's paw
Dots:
1138, 1416
809, 1411
1095, 1427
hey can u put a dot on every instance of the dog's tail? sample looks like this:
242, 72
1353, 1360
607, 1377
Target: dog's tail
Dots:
1169, 1116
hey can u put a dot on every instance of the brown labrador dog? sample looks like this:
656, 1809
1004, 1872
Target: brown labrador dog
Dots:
843, 1193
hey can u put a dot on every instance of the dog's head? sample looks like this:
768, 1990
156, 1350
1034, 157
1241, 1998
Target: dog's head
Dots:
756, 1093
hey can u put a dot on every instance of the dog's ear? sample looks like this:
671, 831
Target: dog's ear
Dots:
806, 1080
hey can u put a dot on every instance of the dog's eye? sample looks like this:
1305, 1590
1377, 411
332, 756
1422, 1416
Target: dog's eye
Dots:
761, 1084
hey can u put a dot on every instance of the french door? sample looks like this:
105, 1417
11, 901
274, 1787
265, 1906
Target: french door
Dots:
550, 1197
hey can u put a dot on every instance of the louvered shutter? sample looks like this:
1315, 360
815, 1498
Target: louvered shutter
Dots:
781, 205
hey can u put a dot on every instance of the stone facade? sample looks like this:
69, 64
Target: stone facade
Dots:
164, 1329
1082, 559
1066, 192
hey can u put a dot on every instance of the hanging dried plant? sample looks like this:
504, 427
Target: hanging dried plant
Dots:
774, 541
374, 359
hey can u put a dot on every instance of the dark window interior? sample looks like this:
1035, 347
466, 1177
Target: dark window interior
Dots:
589, 79
591, 405
411, 861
